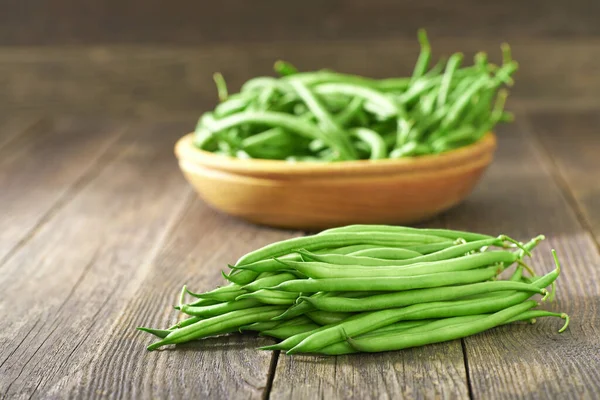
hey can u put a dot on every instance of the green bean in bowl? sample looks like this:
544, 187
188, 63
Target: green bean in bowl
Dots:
328, 116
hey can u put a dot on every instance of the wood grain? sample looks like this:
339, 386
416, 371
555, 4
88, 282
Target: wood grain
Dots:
520, 198
436, 371
153, 81
198, 247
192, 22
571, 143
66, 284
40, 168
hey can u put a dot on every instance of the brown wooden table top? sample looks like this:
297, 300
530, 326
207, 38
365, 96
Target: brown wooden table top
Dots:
99, 230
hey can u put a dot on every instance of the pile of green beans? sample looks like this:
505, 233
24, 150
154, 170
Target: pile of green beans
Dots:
369, 288
330, 116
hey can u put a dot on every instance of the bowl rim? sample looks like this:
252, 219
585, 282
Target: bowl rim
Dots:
185, 150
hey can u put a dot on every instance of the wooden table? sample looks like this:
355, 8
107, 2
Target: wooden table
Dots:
99, 231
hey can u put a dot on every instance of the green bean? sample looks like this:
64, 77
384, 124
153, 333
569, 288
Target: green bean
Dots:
337, 239
531, 315
341, 259
217, 325
424, 56
223, 296
301, 308
366, 322
344, 348
269, 281
218, 309
319, 270
232, 287
431, 248
445, 254
347, 249
454, 111
264, 138
374, 141
285, 121
326, 121
260, 326
405, 298
221, 86
385, 105
284, 332
284, 68
203, 302
325, 318
441, 334
347, 114
241, 277
453, 251
161, 333
517, 275
232, 105
390, 283
185, 322
443, 233
453, 64
270, 296
386, 253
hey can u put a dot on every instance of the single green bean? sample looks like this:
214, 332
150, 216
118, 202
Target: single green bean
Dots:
453, 64
443, 233
270, 296
260, 326
386, 106
217, 325
406, 298
386, 253
424, 57
288, 331
390, 283
326, 318
432, 247
218, 309
374, 141
269, 281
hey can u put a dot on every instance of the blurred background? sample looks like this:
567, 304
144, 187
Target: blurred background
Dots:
155, 58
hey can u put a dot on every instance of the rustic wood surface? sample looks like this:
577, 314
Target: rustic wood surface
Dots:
194, 22
99, 231
176, 82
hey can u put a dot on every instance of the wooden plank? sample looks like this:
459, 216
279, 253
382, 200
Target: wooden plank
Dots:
435, 371
518, 197
40, 168
65, 285
191, 22
13, 126
200, 245
96, 270
167, 81
571, 142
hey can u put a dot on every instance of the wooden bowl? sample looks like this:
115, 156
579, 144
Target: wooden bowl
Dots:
321, 195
